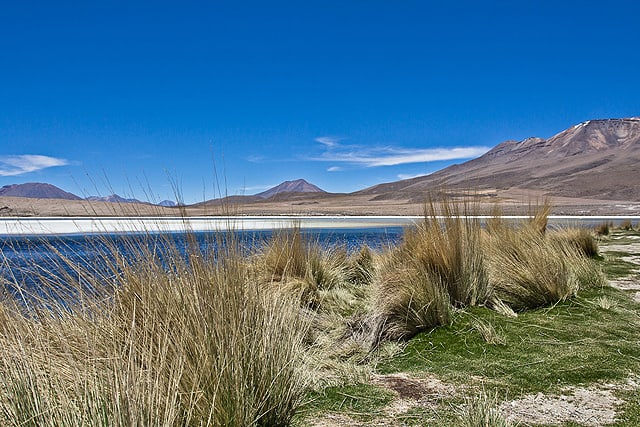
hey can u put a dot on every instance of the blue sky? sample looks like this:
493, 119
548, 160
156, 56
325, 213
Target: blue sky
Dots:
140, 97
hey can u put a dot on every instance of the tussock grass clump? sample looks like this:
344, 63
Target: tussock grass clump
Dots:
482, 410
409, 299
626, 225
450, 247
298, 265
603, 229
361, 266
580, 238
529, 270
183, 339
439, 265
540, 216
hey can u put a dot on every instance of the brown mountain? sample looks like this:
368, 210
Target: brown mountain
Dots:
36, 190
284, 192
297, 186
597, 159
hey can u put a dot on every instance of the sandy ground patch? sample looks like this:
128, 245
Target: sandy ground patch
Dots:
591, 406
631, 283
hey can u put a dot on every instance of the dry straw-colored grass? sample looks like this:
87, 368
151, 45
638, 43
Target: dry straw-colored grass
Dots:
449, 262
438, 266
300, 265
581, 238
182, 340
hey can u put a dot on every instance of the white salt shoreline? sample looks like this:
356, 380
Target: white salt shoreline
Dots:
30, 226
14, 226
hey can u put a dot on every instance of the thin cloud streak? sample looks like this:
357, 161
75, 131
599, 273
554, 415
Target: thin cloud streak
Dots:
254, 188
329, 141
374, 157
403, 176
26, 163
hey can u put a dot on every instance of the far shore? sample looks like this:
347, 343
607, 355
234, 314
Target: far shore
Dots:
508, 202
38, 226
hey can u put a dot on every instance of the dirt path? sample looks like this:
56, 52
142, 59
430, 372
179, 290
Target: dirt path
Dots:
630, 283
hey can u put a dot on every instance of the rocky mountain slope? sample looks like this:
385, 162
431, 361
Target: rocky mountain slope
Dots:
597, 159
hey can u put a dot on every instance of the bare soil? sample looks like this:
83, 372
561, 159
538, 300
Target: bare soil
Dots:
630, 283
586, 406
512, 201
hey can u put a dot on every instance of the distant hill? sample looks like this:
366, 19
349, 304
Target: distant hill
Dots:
597, 159
297, 186
36, 190
168, 203
113, 198
286, 191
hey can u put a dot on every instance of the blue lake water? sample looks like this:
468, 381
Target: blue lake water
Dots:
36, 250
28, 261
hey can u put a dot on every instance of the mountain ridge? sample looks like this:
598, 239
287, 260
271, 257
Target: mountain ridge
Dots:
593, 159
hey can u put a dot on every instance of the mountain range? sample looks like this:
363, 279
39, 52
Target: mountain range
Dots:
597, 160
40, 190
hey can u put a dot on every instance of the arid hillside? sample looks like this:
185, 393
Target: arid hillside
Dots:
597, 159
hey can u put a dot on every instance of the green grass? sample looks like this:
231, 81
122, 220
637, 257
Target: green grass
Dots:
572, 343
615, 267
362, 402
592, 338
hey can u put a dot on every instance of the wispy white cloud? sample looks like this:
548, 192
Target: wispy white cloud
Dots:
253, 189
255, 158
335, 169
329, 141
404, 176
26, 163
392, 156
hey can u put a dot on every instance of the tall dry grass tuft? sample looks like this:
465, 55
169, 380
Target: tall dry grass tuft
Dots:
302, 266
626, 225
409, 298
361, 266
529, 270
540, 215
439, 265
580, 238
184, 338
603, 229
449, 246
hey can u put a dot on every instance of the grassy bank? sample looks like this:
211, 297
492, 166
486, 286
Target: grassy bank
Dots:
440, 329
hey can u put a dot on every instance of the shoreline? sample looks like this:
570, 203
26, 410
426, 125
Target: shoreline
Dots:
38, 226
